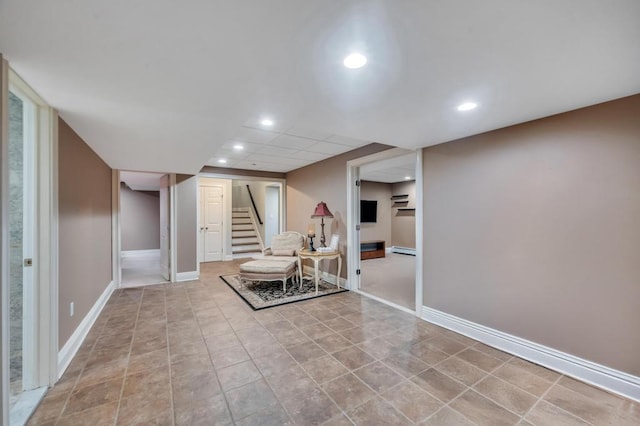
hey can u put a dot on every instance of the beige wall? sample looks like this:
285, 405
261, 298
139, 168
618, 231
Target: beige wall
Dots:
84, 183
534, 230
323, 181
381, 230
186, 223
139, 219
403, 222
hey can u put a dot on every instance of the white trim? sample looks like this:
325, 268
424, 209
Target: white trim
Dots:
402, 250
419, 231
187, 276
4, 241
116, 240
49, 228
173, 238
138, 253
596, 374
353, 215
70, 348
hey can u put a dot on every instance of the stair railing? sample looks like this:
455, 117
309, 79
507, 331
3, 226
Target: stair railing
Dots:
253, 203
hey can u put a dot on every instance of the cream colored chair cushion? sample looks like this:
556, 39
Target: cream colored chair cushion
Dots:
284, 246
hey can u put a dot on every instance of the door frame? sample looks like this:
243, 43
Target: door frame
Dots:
228, 204
353, 219
204, 181
44, 331
116, 232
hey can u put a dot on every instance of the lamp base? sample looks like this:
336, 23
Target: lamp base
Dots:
311, 244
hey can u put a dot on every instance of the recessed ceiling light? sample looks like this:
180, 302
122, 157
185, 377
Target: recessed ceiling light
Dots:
267, 122
238, 147
467, 106
222, 161
355, 60
407, 178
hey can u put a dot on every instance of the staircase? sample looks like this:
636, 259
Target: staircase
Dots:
245, 241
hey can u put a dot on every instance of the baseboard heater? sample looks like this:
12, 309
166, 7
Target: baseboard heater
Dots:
403, 250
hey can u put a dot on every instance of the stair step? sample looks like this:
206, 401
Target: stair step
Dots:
240, 214
247, 252
244, 241
242, 227
246, 248
240, 234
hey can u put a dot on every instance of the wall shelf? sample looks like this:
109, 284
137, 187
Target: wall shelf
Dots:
406, 209
400, 204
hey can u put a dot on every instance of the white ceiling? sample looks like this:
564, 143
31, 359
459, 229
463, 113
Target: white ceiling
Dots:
141, 181
390, 170
165, 86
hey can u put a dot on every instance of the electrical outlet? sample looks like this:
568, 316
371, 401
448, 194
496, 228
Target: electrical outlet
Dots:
71, 309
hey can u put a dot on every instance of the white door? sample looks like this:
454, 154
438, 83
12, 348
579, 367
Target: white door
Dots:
165, 209
212, 209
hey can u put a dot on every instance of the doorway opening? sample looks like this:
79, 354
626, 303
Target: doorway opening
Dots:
238, 215
29, 283
144, 228
385, 228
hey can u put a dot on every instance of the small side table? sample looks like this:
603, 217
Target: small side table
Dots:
317, 256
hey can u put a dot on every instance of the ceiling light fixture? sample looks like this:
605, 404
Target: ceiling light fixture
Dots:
238, 147
222, 161
407, 178
355, 60
467, 106
267, 122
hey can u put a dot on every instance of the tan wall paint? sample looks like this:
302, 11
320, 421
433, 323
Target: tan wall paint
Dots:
139, 219
534, 230
403, 223
84, 226
186, 223
241, 172
323, 181
381, 230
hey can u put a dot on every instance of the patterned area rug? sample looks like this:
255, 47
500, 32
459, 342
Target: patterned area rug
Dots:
266, 294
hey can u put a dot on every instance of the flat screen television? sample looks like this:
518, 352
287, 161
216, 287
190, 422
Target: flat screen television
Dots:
368, 211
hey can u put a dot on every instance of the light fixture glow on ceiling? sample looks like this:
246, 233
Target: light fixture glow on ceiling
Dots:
267, 122
238, 147
222, 161
407, 178
467, 106
355, 60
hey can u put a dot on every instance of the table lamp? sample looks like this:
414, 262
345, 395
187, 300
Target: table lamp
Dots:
322, 211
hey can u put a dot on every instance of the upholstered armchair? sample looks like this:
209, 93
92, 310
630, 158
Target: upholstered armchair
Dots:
284, 246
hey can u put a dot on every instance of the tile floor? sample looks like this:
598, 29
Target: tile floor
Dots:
194, 354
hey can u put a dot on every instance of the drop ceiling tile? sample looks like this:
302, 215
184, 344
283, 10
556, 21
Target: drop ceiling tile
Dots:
308, 133
329, 148
278, 151
276, 127
313, 157
247, 134
270, 159
343, 140
293, 142
247, 146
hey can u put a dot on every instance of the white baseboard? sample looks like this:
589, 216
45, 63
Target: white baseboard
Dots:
330, 278
403, 250
384, 301
135, 253
596, 374
187, 276
70, 348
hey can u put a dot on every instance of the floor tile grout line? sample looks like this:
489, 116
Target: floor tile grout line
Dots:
124, 378
70, 393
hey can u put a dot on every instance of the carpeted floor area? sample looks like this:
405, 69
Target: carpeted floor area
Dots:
391, 278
